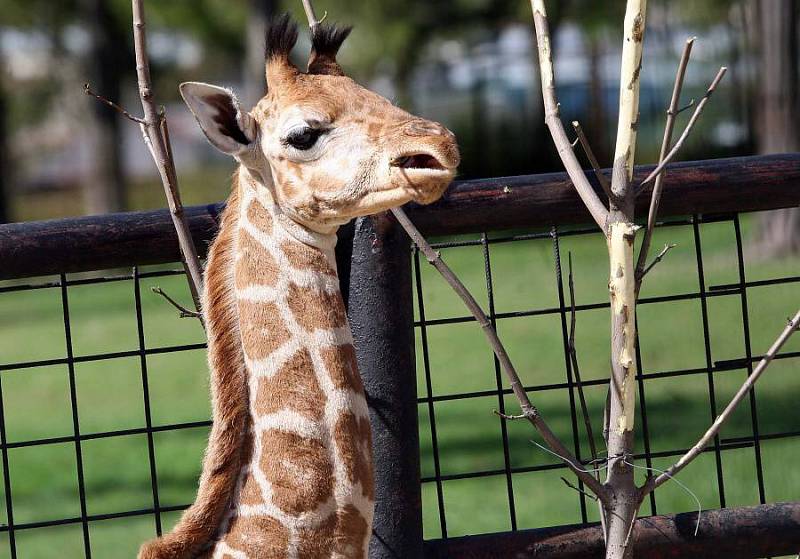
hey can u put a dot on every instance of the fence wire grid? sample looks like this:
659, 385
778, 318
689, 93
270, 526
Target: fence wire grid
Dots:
520, 470
461, 440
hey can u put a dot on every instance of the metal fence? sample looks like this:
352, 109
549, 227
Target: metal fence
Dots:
390, 305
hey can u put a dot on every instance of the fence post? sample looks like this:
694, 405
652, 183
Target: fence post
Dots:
381, 317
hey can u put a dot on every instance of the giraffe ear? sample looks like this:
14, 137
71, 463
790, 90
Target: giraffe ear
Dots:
222, 120
326, 41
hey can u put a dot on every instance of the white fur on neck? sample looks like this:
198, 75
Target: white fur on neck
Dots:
265, 195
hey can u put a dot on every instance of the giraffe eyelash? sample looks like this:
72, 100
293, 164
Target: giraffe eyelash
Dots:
303, 138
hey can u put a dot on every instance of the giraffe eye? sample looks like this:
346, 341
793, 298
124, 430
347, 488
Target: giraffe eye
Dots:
303, 138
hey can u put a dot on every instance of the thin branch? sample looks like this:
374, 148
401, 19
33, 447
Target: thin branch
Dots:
657, 259
176, 208
156, 136
688, 106
508, 417
573, 354
529, 411
552, 119
88, 91
184, 312
313, 22
695, 451
571, 485
692, 121
655, 199
601, 178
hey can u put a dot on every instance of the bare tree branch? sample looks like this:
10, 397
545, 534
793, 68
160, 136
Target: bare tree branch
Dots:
313, 22
601, 178
695, 451
686, 131
655, 198
656, 260
553, 120
88, 90
529, 411
156, 135
571, 485
183, 312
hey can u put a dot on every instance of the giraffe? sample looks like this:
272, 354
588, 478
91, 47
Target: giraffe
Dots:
288, 468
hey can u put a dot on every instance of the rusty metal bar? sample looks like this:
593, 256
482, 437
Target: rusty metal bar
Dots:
733, 533
119, 240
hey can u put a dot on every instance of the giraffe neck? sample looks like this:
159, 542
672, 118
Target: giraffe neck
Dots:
306, 488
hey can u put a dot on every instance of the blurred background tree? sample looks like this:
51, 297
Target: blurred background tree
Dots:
777, 114
5, 169
468, 63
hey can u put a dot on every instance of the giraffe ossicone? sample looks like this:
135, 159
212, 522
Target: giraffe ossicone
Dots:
288, 469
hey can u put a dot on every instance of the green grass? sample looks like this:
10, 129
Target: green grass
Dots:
110, 396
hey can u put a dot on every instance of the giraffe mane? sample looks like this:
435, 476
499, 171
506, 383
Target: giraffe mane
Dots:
326, 40
281, 37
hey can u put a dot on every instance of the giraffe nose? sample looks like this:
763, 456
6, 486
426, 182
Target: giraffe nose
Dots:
422, 127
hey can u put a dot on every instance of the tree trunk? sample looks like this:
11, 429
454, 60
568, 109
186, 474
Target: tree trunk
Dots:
259, 12
623, 505
104, 183
778, 112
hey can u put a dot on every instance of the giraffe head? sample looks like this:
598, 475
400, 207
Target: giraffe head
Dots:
327, 148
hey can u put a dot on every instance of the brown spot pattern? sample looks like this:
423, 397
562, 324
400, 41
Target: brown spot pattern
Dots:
305, 257
374, 129
259, 217
261, 328
260, 537
255, 265
293, 387
317, 543
353, 440
352, 532
340, 361
314, 308
299, 470
250, 492
343, 532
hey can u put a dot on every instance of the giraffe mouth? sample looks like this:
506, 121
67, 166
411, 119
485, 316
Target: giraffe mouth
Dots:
422, 161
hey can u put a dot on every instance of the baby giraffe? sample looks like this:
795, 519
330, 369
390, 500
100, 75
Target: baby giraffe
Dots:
288, 469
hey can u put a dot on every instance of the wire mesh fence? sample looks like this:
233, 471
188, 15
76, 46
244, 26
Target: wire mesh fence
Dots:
39, 512
719, 350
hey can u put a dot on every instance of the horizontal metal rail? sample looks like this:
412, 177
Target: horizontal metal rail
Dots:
119, 240
731, 533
